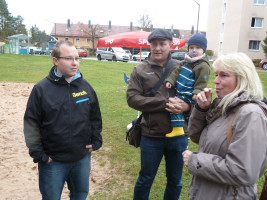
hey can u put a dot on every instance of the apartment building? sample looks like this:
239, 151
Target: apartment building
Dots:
237, 26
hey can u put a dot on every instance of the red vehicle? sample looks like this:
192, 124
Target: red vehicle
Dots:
82, 53
263, 64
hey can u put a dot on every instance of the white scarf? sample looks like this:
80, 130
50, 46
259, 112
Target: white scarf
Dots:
194, 59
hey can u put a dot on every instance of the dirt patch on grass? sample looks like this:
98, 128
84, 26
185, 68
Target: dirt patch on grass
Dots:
19, 175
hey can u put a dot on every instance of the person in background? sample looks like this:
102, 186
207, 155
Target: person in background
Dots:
155, 123
189, 79
62, 126
221, 171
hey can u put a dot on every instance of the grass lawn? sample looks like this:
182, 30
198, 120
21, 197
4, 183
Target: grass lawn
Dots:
107, 79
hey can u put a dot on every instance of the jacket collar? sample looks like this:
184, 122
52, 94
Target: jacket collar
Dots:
215, 110
152, 62
54, 77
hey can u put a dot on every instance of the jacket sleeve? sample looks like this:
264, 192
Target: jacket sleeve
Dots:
202, 74
246, 154
137, 100
32, 129
96, 125
196, 124
173, 76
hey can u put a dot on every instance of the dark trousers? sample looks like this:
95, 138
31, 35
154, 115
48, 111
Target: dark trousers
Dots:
152, 151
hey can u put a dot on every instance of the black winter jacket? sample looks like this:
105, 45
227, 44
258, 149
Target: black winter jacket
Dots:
61, 118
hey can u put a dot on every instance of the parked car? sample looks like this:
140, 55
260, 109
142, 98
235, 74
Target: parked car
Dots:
82, 53
43, 52
263, 64
112, 53
37, 51
178, 55
144, 55
128, 53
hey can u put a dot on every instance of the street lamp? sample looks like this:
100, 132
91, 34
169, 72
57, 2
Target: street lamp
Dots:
55, 26
198, 14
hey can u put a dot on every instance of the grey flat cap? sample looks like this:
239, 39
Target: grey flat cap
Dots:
160, 34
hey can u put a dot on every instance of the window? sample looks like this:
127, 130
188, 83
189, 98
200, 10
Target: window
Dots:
102, 48
77, 40
254, 45
259, 2
256, 22
88, 41
224, 8
66, 38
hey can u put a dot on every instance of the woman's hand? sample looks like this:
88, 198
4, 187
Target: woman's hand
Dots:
204, 98
186, 155
176, 105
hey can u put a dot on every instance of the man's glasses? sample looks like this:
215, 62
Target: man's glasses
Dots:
70, 59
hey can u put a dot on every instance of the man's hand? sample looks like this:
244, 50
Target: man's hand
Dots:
49, 160
90, 147
177, 105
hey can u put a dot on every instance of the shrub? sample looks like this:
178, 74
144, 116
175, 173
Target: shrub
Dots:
209, 53
256, 62
183, 49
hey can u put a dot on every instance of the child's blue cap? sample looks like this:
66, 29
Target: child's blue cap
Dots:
199, 40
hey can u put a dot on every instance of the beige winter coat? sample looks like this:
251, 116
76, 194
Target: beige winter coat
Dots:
219, 170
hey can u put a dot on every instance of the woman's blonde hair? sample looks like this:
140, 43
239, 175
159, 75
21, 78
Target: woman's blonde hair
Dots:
246, 74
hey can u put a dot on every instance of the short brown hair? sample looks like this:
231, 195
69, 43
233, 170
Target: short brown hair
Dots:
56, 49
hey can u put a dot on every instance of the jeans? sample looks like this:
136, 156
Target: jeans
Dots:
152, 151
53, 175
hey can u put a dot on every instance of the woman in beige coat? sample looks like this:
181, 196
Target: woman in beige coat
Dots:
222, 172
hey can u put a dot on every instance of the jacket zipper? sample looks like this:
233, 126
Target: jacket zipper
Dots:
149, 124
69, 92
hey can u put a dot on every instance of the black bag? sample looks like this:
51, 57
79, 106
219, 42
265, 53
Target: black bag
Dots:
134, 133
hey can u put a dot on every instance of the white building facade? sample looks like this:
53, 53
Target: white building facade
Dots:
237, 26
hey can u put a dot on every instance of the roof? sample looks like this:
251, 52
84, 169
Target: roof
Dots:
18, 36
186, 34
82, 30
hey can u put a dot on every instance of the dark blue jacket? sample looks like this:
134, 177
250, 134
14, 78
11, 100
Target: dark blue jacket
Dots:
61, 118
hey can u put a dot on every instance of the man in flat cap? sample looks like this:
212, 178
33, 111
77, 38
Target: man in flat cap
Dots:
156, 118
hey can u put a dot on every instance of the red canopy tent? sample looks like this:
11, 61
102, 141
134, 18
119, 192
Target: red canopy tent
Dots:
137, 39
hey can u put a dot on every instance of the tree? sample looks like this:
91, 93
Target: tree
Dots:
9, 25
264, 46
145, 22
18, 25
38, 37
91, 33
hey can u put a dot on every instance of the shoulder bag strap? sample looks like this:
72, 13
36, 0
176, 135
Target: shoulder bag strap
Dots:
162, 78
229, 130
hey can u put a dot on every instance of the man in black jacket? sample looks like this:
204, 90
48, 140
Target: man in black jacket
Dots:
62, 126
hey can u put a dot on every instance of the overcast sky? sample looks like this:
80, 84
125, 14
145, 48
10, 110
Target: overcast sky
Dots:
182, 14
